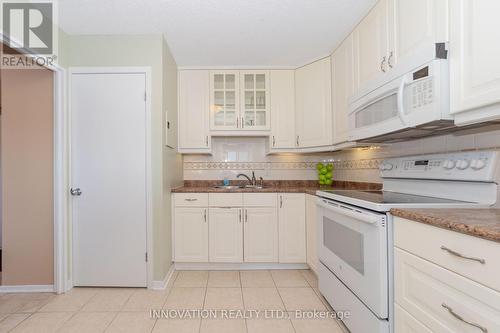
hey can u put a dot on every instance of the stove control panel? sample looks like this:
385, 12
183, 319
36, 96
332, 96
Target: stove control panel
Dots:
467, 166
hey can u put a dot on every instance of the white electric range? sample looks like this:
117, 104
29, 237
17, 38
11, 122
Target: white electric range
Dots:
355, 227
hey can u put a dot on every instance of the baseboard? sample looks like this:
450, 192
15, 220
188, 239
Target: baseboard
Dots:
187, 266
160, 285
49, 288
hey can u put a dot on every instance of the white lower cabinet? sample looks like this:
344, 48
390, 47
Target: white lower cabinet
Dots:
191, 234
311, 231
429, 297
261, 234
242, 228
292, 228
406, 323
225, 235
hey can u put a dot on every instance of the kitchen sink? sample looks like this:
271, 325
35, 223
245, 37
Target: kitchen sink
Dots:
228, 187
233, 187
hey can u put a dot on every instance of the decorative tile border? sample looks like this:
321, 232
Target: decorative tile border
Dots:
338, 165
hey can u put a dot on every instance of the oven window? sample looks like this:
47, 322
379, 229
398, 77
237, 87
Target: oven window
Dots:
345, 243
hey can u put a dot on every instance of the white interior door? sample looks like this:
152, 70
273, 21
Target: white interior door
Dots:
109, 167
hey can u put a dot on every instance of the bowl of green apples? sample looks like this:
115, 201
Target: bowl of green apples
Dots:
325, 174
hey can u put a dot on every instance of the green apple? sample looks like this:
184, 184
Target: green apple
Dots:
329, 182
329, 167
322, 182
328, 175
319, 166
324, 171
322, 177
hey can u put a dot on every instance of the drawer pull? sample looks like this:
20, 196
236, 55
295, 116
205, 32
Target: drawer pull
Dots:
456, 254
190, 200
450, 310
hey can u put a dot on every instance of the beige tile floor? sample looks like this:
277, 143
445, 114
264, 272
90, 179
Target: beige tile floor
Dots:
128, 310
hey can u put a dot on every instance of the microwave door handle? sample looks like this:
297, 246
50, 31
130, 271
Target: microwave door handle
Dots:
366, 218
400, 101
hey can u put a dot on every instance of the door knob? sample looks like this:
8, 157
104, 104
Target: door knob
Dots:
76, 192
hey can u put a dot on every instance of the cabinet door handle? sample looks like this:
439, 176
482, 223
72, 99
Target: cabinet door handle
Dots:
242, 123
281, 201
274, 141
206, 140
456, 254
459, 317
239, 213
190, 200
391, 55
298, 144
382, 65
205, 215
237, 122
246, 215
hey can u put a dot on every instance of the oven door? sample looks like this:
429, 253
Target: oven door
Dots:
353, 245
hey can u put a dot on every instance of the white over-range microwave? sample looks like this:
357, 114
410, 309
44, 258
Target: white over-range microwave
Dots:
415, 104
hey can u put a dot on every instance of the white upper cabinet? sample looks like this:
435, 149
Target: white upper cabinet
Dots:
254, 100
283, 109
371, 43
194, 106
224, 99
415, 26
397, 33
474, 60
342, 88
239, 100
313, 104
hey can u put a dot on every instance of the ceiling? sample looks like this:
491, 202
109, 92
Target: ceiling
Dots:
238, 33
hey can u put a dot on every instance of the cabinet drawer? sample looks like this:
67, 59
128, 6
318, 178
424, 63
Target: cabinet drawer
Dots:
191, 199
431, 243
260, 199
225, 199
406, 323
437, 297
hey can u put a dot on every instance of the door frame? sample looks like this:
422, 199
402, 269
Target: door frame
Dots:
60, 204
149, 180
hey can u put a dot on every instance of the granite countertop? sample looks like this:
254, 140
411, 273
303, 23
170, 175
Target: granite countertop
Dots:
293, 186
483, 223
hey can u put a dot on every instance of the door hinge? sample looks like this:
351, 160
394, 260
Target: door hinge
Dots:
441, 51
146, 256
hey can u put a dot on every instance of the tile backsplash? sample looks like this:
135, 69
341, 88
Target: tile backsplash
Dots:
232, 156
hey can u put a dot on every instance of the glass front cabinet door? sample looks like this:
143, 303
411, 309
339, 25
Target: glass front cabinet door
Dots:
239, 100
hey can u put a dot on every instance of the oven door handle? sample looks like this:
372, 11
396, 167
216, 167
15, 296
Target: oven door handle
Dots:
359, 216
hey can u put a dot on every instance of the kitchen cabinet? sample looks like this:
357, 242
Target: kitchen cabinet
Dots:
342, 88
226, 234
260, 234
371, 43
194, 105
474, 65
311, 232
191, 234
433, 284
239, 101
282, 109
292, 228
397, 34
313, 104
414, 28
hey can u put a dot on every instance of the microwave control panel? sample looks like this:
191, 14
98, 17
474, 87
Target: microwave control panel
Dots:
422, 92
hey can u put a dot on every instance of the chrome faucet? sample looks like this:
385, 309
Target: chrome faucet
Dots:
252, 181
